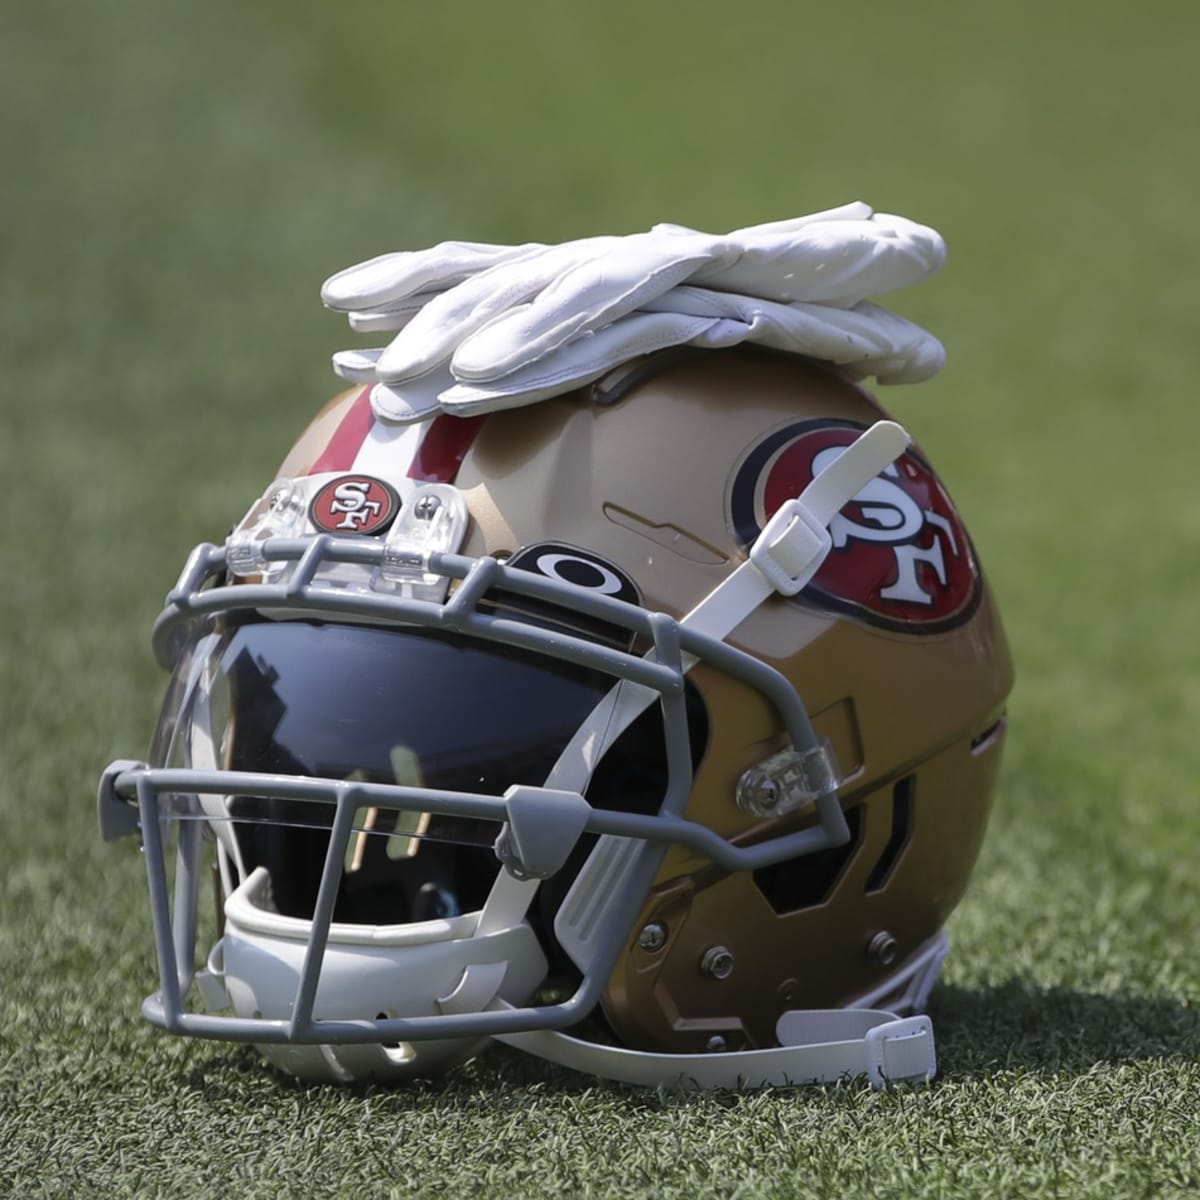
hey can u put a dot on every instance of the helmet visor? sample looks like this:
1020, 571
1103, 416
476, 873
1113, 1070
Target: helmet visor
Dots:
380, 705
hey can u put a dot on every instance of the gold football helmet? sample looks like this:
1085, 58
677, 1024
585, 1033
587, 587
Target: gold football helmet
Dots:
571, 726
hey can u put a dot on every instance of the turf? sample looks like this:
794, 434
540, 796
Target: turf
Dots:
178, 179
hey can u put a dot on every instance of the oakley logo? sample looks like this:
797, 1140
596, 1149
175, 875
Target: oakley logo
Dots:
582, 572
579, 568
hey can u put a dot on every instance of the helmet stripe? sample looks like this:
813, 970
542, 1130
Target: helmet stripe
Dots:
348, 438
444, 447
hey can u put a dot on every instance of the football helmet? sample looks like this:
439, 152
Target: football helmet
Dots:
652, 729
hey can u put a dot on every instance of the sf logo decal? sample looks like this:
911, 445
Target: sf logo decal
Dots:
901, 558
888, 514
354, 504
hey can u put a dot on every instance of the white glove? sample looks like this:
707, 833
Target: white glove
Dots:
484, 327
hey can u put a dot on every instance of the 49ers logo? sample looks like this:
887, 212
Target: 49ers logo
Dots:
354, 504
901, 558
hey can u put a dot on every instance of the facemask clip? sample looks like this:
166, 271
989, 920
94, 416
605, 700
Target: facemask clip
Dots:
790, 780
541, 831
433, 521
281, 512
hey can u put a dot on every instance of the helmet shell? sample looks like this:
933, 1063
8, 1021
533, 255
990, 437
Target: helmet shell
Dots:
666, 469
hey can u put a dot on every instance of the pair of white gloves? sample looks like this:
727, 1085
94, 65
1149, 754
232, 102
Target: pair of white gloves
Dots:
481, 327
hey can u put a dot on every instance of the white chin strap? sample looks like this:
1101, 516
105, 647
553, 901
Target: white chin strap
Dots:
816, 1045
820, 1046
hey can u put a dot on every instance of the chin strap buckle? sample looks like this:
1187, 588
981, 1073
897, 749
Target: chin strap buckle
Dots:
793, 544
900, 1051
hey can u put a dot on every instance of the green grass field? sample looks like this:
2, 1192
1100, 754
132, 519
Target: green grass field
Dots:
178, 178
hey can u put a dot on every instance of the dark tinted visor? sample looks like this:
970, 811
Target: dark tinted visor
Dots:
337, 701
384, 705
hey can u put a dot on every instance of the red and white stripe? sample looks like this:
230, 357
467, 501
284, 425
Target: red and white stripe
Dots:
403, 455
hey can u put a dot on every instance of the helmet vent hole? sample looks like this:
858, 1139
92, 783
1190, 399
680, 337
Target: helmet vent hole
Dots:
810, 879
982, 742
904, 793
397, 1052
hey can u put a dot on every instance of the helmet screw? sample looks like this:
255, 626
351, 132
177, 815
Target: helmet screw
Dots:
715, 1044
426, 506
768, 795
717, 963
883, 948
653, 936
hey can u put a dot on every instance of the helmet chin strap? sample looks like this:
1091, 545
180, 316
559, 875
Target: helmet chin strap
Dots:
819, 1046
816, 1045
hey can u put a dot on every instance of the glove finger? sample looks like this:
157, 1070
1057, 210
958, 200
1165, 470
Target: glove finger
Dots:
576, 364
590, 296
856, 210
920, 354
356, 366
389, 277
832, 262
867, 339
432, 336
413, 400
390, 319
692, 301
387, 322
812, 330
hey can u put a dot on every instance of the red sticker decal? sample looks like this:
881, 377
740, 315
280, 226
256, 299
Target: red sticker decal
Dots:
354, 504
901, 558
